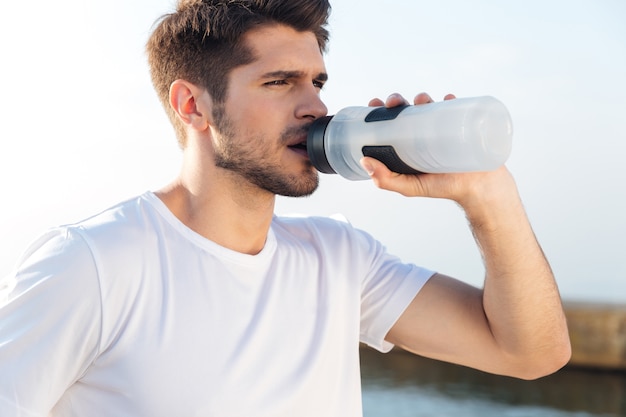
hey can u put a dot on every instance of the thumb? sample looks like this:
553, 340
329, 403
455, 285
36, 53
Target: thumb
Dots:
385, 179
372, 166
378, 171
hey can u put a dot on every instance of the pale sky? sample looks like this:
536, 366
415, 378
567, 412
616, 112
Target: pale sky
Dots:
81, 128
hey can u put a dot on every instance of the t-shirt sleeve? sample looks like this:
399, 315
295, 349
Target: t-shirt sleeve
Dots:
50, 323
388, 287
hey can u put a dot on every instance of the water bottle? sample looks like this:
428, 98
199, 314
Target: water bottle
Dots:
458, 135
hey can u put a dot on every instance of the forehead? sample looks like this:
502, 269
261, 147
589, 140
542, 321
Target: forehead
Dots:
282, 47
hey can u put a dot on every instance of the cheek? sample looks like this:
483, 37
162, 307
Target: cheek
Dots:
247, 118
258, 121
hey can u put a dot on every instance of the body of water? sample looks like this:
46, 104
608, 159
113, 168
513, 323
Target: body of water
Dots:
399, 384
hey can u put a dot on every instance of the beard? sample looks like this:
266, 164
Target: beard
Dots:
247, 161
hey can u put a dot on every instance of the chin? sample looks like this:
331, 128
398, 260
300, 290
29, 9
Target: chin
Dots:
301, 186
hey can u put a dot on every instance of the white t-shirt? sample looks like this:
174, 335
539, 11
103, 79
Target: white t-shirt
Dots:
131, 313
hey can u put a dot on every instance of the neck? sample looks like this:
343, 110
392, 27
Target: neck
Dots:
222, 207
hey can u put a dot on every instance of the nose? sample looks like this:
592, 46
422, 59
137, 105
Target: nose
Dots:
312, 106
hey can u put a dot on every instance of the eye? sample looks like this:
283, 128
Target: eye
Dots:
318, 84
276, 82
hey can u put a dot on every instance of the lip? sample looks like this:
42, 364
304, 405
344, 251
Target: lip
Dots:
299, 150
300, 141
299, 145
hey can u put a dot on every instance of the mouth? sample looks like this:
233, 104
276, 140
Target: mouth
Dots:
299, 147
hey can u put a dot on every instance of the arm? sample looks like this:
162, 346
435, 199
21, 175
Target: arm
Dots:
50, 317
514, 326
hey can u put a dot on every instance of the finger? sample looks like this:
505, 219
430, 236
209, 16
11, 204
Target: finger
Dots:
385, 179
395, 100
375, 169
422, 98
376, 102
449, 97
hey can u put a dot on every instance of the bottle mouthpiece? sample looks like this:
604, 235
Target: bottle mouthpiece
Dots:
315, 145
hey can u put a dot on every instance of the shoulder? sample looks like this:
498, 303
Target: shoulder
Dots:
72, 253
333, 232
55, 248
119, 231
126, 216
57, 269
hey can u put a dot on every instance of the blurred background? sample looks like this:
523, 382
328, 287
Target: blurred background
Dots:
399, 384
82, 129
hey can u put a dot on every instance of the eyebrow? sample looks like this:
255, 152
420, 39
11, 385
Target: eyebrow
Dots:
322, 76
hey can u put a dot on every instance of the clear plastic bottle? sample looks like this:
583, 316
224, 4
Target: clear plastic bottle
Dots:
458, 135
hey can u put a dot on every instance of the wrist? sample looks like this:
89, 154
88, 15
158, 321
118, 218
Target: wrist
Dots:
492, 199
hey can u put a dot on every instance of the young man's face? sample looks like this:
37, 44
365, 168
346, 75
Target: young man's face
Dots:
269, 106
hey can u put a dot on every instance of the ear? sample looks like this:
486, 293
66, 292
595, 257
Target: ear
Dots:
191, 103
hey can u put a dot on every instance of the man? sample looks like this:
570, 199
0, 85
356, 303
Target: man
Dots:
197, 301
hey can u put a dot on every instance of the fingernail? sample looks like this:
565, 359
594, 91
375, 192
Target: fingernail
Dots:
367, 166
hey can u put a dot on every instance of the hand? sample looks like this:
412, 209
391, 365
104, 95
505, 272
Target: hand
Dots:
460, 187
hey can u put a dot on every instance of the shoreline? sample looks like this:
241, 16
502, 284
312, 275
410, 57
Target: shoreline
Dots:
598, 334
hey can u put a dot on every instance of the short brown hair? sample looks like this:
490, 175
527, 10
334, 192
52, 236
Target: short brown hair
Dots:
201, 41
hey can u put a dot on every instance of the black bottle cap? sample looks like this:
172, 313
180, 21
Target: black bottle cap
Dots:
315, 145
